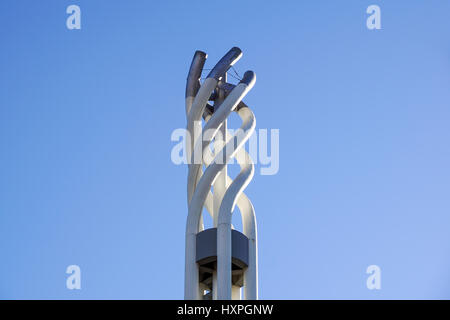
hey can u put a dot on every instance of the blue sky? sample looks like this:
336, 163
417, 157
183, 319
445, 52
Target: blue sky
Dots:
85, 123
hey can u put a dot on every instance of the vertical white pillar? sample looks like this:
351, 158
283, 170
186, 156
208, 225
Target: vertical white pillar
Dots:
214, 286
224, 261
235, 293
191, 283
219, 186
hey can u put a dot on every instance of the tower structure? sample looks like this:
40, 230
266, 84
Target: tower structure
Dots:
220, 262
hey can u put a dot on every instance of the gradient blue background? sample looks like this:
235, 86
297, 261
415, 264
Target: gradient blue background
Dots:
85, 123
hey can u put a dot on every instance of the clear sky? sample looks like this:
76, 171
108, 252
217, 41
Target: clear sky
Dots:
85, 123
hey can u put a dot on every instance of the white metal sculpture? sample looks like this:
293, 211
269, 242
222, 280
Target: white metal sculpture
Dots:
219, 260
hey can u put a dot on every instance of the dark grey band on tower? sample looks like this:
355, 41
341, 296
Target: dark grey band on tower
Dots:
195, 73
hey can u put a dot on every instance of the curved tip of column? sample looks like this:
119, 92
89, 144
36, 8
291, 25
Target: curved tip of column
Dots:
249, 78
200, 54
236, 51
233, 55
195, 72
225, 63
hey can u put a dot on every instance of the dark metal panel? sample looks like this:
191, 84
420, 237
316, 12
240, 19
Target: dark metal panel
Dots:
207, 247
